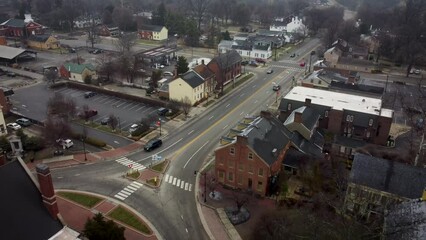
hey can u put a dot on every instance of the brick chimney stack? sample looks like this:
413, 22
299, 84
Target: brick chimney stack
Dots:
297, 117
46, 188
2, 160
308, 102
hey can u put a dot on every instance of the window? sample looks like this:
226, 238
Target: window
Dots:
256, 55
312, 80
220, 161
261, 172
348, 118
240, 179
232, 151
342, 149
231, 163
326, 114
248, 53
352, 118
319, 81
368, 134
262, 55
259, 186
221, 176
250, 169
241, 166
370, 122
230, 176
250, 156
289, 106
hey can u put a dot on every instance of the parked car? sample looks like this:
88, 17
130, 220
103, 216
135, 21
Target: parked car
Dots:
23, 122
293, 55
276, 88
260, 60
168, 74
243, 63
302, 64
13, 126
67, 143
58, 153
133, 127
72, 50
253, 64
96, 51
153, 144
11, 74
417, 71
270, 71
162, 111
89, 94
105, 121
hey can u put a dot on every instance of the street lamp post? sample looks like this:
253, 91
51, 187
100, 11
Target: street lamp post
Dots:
159, 121
310, 59
83, 138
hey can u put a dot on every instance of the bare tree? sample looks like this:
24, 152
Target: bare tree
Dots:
55, 128
113, 121
185, 105
126, 42
106, 67
61, 106
198, 9
92, 32
240, 200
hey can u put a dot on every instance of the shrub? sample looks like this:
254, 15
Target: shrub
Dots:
95, 142
34, 144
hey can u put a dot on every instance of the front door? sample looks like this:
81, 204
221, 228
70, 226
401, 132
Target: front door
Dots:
250, 184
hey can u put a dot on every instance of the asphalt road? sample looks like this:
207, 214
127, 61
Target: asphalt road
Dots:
172, 208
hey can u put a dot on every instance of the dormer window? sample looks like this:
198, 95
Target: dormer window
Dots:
370, 122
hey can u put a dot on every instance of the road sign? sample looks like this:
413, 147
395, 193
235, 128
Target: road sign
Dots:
156, 157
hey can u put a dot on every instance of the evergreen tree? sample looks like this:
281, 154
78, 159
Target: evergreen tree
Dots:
99, 229
159, 16
182, 65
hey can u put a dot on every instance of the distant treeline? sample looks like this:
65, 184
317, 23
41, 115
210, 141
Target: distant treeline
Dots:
354, 4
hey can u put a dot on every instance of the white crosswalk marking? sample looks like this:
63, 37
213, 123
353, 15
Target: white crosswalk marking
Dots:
178, 182
170, 179
127, 162
182, 184
174, 181
128, 190
166, 178
190, 187
186, 186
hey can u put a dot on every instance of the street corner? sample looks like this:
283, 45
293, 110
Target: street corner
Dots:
150, 178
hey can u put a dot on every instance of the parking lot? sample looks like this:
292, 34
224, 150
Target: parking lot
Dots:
32, 103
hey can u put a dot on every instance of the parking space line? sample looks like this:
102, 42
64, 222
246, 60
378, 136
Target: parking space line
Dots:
117, 102
147, 109
128, 105
137, 104
153, 111
100, 98
122, 104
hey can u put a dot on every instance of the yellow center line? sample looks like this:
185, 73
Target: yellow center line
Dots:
226, 115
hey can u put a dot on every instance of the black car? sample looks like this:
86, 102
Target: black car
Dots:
89, 94
72, 50
276, 87
162, 111
152, 144
293, 55
243, 63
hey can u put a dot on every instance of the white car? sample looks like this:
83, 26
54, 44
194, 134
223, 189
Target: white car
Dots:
67, 143
168, 74
133, 128
13, 126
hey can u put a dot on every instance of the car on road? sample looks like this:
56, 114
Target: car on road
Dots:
293, 55
302, 64
270, 71
105, 121
417, 71
276, 88
13, 126
67, 143
152, 144
260, 60
96, 51
72, 50
243, 63
89, 94
11, 74
23, 122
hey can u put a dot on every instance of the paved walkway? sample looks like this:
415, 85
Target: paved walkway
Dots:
75, 216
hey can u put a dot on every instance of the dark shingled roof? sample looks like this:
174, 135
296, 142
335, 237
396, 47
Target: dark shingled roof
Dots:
154, 28
309, 117
193, 79
15, 23
388, 176
227, 59
265, 135
39, 38
23, 214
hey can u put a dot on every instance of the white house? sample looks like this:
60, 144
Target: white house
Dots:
188, 86
290, 24
3, 129
246, 49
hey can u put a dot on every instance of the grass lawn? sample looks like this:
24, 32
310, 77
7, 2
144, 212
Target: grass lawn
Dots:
160, 166
123, 215
83, 199
153, 181
134, 175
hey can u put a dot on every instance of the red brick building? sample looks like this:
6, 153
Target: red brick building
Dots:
20, 28
254, 159
353, 119
226, 67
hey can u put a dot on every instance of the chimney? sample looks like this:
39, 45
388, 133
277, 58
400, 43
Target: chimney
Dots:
297, 117
2, 160
307, 102
202, 61
46, 189
266, 114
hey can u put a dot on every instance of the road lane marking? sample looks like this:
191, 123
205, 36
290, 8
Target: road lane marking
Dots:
164, 149
195, 153
137, 184
132, 188
241, 113
119, 197
190, 132
121, 193
228, 105
255, 101
225, 127
210, 118
126, 192
266, 85
128, 189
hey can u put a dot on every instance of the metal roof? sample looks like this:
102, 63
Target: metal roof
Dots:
10, 52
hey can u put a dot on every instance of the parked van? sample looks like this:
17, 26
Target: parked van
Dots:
152, 144
162, 111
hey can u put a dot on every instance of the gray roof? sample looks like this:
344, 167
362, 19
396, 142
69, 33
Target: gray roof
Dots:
39, 38
388, 176
348, 142
23, 214
227, 59
265, 135
309, 117
357, 88
193, 79
406, 221
154, 28
13, 22
10, 52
